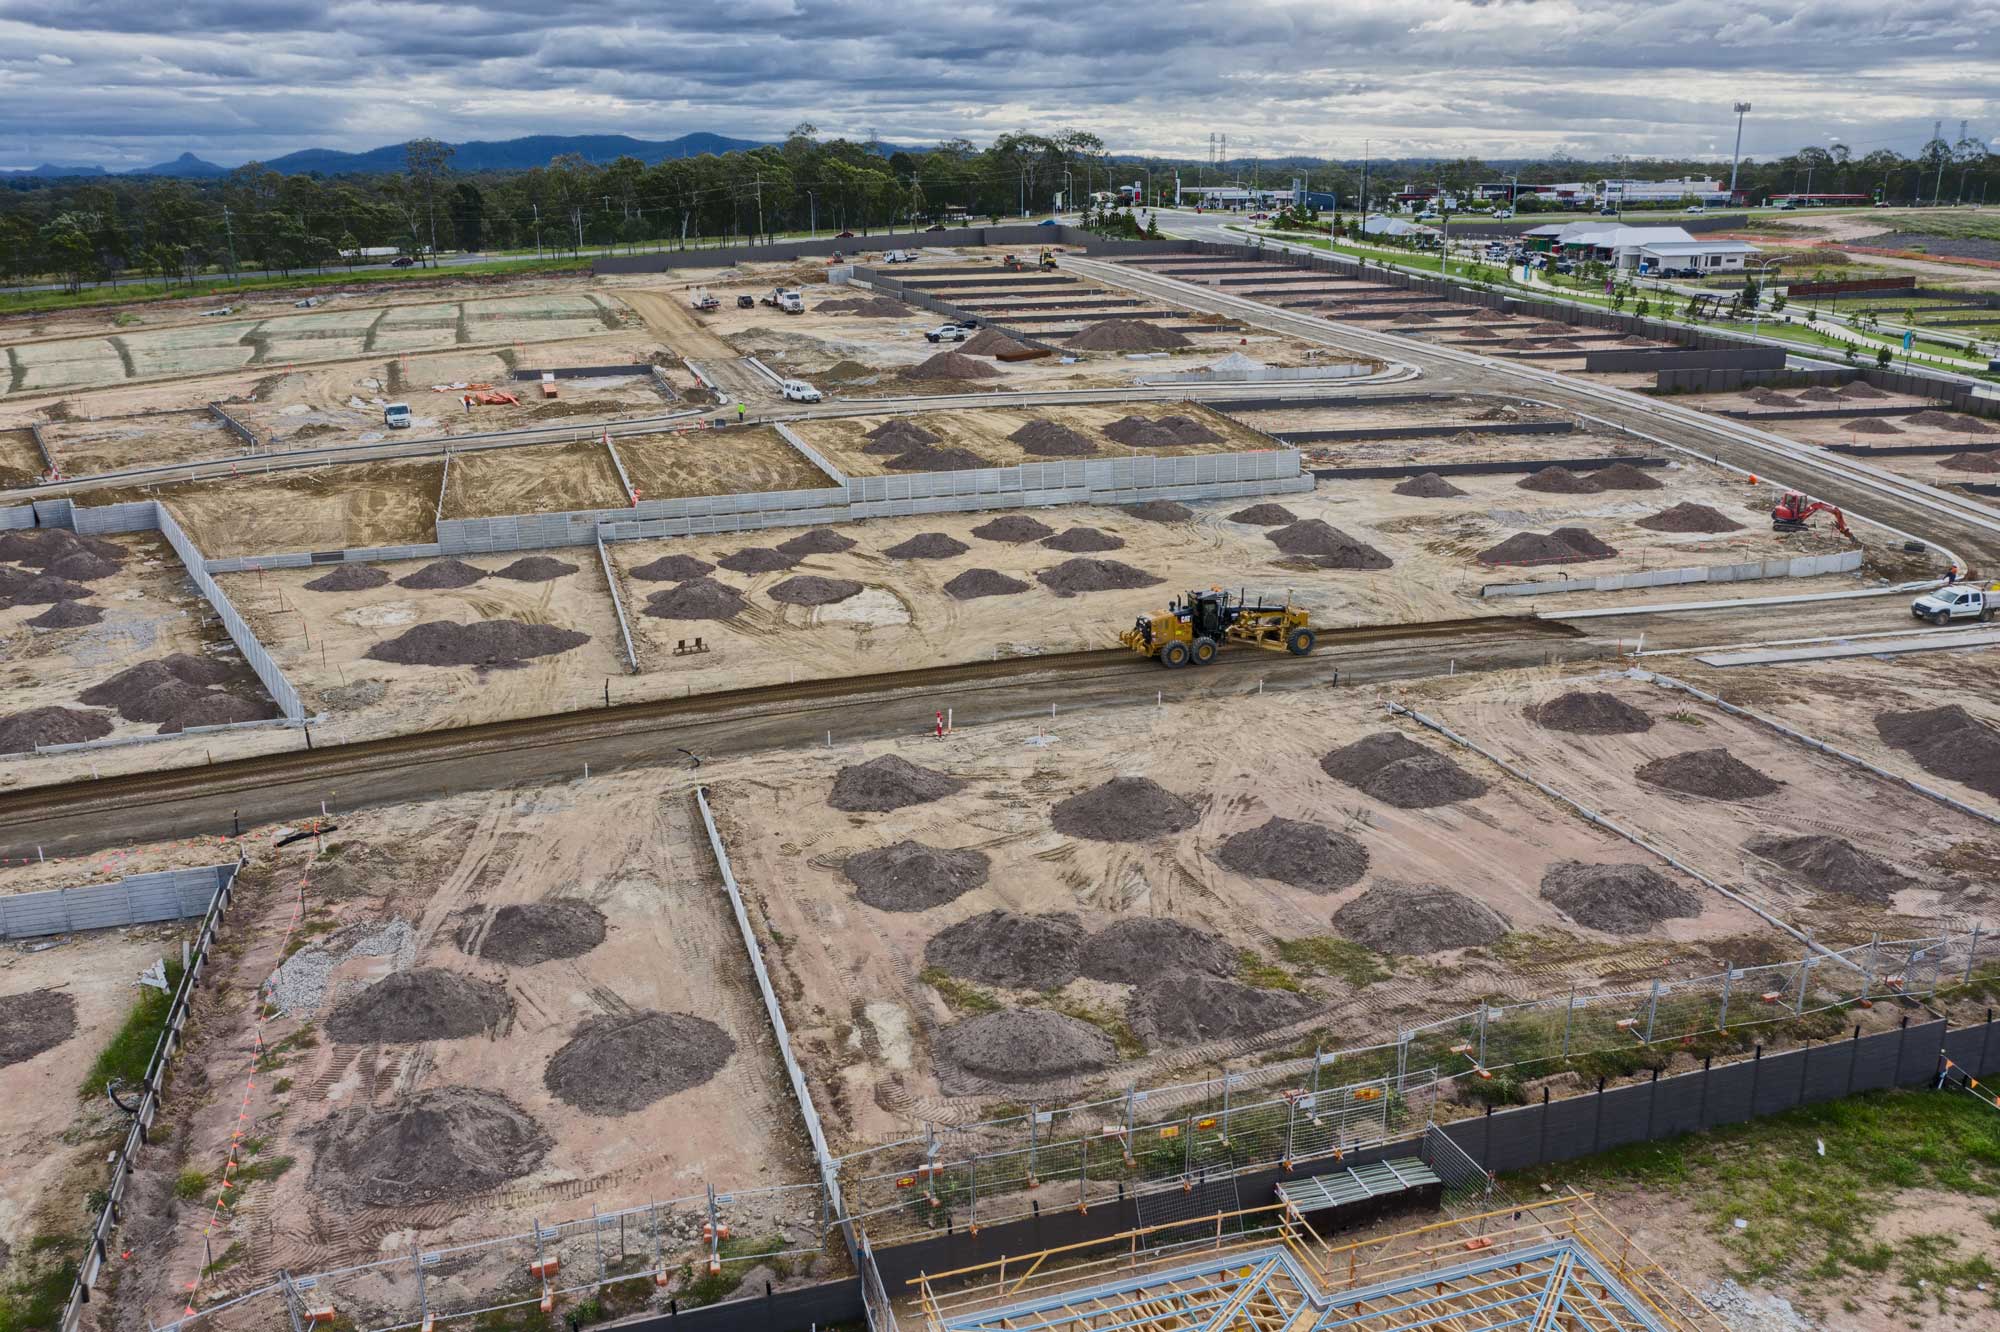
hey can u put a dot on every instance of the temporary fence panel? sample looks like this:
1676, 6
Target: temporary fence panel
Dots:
137, 899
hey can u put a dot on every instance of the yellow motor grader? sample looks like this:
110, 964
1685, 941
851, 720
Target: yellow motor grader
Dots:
1196, 624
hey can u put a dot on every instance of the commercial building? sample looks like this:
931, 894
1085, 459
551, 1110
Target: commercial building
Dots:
1639, 249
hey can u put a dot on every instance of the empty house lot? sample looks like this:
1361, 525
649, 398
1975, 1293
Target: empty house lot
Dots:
96, 447
716, 462
334, 507
541, 478
1393, 411
479, 1012
21, 462
966, 439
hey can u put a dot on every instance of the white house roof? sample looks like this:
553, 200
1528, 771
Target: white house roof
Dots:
1698, 247
1618, 236
1377, 225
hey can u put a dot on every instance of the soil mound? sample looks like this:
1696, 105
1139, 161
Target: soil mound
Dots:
536, 569
156, 691
20, 732
1415, 919
1355, 763
1304, 855
1175, 431
1007, 948
442, 574
1327, 546
1860, 389
482, 643
1624, 476
1835, 865
1087, 575
1972, 462
67, 615
1427, 486
1935, 420
1398, 771
1264, 515
1137, 949
697, 599
928, 458
428, 1146
44, 547
1126, 335
756, 560
950, 365
989, 342
618, 1063
813, 590
1590, 712
218, 708
349, 578
1160, 511
1565, 545
528, 934
1014, 529
1869, 425
1181, 1010
1025, 1046
976, 583
47, 590
1124, 809
1946, 742
422, 1004
1687, 517
1768, 398
673, 569
927, 546
84, 567
887, 783
1584, 542
1715, 773
1559, 481
870, 307
1083, 540
1618, 899
895, 435
819, 541
1046, 439
911, 876
33, 1023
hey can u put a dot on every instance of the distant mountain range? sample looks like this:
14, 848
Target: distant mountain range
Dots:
479, 155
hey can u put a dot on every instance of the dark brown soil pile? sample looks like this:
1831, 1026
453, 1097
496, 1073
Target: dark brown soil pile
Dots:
697, 599
422, 1004
895, 435
45, 547
1427, 486
911, 876
1715, 773
443, 574
84, 567
1124, 809
819, 541
887, 783
1083, 574
1160, 511
1046, 439
1624, 476
482, 643
976, 583
1584, 542
1559, 481
1126, 335
1137, 949
950, 365
47, 590
67, 615
1023, 1046
756, 560
1818, 394
1869, 425
813, 590
929, 458
1304, 855
1769, 398
870, 307
527, 934
1083, 541
536, 569
989, 342
673, 569
1398, 771
20, 732
1589, 712
1015, 529
1834, 865
927, 546
1946, 742
1930, 417
1860, 389
1188, 1010
1264, 515
1557, 547
1416, 919
1168, 432
1007, 948
1618, 899
34, 1022
617, 1063
1326, 546
1688, 517
429, 1146
1973, 462
157, 691
349, 578
219, 708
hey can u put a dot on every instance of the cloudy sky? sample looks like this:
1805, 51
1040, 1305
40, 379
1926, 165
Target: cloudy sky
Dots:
82, 81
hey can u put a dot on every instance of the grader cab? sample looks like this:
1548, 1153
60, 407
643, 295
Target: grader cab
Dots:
1194, 626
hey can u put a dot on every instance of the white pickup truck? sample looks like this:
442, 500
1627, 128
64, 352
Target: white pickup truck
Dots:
1955, 601
797, 390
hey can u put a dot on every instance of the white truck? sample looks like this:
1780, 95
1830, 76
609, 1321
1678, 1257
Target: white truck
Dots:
1956, 601
397, 416
787, 299
797, 390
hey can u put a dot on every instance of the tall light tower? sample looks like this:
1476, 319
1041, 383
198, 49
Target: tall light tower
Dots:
1741, 107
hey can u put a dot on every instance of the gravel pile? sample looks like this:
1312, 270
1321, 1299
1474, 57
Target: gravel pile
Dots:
33, 1023
756, 560
1015, 529
1624, 476
618, 1063
1264, 515
482, 643
819, 541
813, 590
950, 365
1326, 546
1834, 865
349, 578
1083, 541
67, 615
1186, 1010
442, 574
1174, 431
430, 1146
673, 569
1618, 899
20, 732
422, 1004
528, 934
1686, 517
1589, 712
1046, 439
887, 783
535, 569
1946, 742
1304, 855
1715, 773
299, 985
1020, 952
1124, 809
1397, 771
1025, 1046
1559, 481
927, 546
1083, 574
1127, 335
697, 599
1160, 511
1417, 919
976, 583
1139, 948
1428, 485
911, 876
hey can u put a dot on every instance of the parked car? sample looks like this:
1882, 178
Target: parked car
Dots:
845, 235
1051, 222
746, 302
1954, 603
937, 226
1607, 211
945, 333
968, 321
1503, 215
402, 261
1694, 208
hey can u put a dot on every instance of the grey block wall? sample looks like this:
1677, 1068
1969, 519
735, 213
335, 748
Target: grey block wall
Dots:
137, 899
260, 661
13, 519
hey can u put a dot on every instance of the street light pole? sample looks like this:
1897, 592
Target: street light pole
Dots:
1737, 158
1757, 306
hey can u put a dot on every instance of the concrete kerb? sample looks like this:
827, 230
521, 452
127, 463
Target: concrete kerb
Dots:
617, 601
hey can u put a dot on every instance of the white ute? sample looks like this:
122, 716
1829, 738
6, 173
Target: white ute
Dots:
1955, 601
797, 390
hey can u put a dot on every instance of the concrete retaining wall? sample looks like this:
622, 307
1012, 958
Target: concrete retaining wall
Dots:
136, 899
1270, 374
1476, 469
1429, 431
1803, 566
1710, 358
16, 518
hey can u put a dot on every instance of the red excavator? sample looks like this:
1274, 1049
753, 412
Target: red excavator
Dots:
1794, 509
